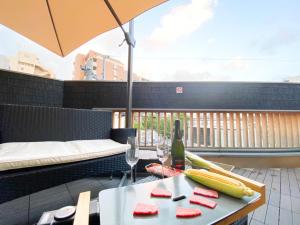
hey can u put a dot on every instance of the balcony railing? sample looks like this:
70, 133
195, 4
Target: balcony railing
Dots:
218, 130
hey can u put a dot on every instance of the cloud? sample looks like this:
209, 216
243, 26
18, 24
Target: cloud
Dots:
237, 63
211, 41
182, 21
292, 79
180, 70
279, 40
236, 68
185, 75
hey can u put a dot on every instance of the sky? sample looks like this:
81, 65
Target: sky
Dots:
195, 40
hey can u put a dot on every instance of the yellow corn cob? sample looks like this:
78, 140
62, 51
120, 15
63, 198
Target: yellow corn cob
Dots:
200, 162
219, 182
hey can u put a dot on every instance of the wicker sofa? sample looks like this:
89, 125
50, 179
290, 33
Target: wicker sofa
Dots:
20, 123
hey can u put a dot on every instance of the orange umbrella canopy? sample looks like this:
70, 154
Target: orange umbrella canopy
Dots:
63, 25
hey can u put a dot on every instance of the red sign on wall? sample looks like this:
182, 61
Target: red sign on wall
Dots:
179, 90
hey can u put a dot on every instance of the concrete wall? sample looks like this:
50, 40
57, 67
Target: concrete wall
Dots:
23, 89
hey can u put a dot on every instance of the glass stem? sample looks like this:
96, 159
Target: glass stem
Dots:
162, 169
132, 181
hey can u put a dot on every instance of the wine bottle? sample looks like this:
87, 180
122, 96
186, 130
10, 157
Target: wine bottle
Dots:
177, 149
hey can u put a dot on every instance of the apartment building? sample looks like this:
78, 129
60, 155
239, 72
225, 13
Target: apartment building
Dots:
27, 62
96, 66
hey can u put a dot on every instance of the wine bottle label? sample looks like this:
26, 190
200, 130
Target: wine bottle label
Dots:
177, 149
179, 164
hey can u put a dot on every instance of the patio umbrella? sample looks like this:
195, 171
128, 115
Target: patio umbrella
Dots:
63, 25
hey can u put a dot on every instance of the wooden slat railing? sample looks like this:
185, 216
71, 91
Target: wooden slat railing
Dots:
218, 130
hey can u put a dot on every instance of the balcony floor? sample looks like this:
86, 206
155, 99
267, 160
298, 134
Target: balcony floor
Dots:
282, 207
282, 196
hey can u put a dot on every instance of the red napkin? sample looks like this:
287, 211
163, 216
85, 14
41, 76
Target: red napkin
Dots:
202, 201
187, 212
142, 209
206, 192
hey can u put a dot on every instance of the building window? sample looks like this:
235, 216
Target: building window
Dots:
115, 71
94, 59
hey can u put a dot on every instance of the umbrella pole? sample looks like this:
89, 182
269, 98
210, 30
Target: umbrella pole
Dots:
129, 78
131, 43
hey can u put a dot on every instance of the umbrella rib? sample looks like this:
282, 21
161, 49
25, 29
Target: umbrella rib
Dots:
50, 13
128, 38
113, 12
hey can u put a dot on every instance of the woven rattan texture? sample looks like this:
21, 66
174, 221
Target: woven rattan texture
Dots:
22, 182
34, 123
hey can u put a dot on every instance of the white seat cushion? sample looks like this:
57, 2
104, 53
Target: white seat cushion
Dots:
30, 154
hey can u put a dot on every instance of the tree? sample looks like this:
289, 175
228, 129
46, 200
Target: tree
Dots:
146, 121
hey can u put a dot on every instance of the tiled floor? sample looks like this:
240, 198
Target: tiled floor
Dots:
282, 207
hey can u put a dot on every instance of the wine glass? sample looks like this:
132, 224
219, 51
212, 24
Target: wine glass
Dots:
132, 154
162, 151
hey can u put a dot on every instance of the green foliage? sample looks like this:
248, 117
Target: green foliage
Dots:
146, 122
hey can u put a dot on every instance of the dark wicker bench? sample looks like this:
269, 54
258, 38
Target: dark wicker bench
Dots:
32, 123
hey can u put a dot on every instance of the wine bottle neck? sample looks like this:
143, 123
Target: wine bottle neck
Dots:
177, 134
